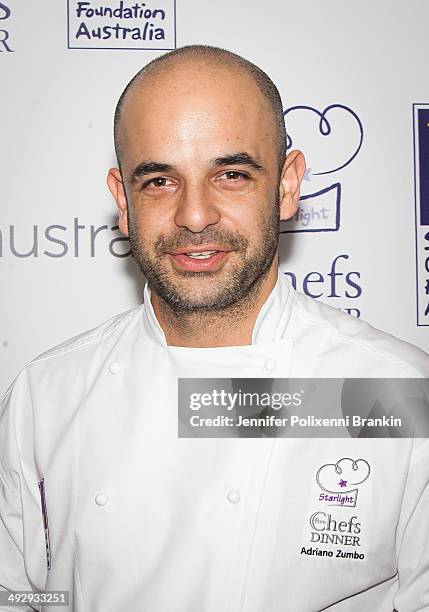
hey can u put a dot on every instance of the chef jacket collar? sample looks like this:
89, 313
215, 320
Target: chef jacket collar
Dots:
270, 324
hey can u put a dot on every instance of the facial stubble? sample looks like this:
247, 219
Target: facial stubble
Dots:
236, 288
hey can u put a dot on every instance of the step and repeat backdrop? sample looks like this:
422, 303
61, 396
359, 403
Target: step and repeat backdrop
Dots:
353, 80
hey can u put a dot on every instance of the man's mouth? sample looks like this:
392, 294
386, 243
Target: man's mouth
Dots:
199, 259
202, 255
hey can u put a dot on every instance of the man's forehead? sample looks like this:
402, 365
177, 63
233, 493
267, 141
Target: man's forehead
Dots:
201, 155
194, 104
182, 145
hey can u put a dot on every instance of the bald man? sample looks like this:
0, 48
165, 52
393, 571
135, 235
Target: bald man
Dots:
224, 149
99, 496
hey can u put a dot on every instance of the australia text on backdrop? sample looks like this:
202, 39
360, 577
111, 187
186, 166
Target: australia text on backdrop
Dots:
144, 23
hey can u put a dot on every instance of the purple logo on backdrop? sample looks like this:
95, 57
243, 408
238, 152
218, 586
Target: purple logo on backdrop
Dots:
331, 139
5, 13
421, 192
121, 24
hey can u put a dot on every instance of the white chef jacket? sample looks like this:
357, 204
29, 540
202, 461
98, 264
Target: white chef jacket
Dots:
141, 520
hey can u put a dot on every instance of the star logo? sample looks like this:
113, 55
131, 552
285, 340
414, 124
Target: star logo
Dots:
340, 481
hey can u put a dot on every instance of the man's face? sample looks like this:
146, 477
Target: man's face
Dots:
200, 169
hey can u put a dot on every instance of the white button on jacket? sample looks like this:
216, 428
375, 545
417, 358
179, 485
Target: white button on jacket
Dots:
101, 499
233, 496
114, 368
270, 364
138, 519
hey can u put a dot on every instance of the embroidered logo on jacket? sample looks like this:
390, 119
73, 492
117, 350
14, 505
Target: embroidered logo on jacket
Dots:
41, 485
339, 481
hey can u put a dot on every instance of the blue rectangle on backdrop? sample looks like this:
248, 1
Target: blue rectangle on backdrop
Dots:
423, 135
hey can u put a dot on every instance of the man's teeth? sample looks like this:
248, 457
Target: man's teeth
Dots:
202, 255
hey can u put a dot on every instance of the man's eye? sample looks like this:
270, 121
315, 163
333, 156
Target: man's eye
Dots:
159, 181
234, 175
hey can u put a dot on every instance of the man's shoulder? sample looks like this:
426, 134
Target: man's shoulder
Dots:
79, 356
352, 336
91, 338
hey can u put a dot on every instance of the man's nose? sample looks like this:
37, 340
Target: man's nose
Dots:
196, 208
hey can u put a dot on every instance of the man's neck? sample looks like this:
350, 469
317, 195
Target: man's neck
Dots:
230, 327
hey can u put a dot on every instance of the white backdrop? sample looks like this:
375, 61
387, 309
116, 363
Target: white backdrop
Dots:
349, 74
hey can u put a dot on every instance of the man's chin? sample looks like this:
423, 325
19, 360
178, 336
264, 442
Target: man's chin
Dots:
196, 294
188, 300
188, 292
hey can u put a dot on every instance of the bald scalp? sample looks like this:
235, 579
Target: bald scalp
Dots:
214, 56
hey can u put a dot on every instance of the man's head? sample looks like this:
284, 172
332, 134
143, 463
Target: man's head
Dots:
201, 143
209, 56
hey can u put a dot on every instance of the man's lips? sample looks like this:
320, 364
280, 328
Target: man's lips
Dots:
200, 249
190, 264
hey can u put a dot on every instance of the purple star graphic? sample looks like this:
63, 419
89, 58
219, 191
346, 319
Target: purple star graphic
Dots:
342, 483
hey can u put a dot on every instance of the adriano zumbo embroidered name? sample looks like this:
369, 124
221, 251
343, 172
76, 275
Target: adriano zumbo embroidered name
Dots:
317, 552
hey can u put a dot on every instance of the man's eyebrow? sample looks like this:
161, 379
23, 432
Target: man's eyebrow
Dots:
243, 159
149, 167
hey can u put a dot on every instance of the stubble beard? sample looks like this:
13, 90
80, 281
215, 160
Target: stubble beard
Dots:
229, 292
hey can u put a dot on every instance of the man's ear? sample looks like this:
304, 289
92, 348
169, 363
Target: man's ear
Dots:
116, 186
290, 182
